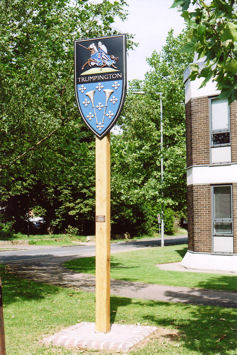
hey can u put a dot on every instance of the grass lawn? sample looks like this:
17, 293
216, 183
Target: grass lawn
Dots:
55, 240
33, 310
47, 239
140, 266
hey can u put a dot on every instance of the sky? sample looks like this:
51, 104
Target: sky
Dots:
150, 22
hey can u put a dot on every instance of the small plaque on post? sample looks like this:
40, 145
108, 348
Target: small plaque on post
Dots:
100, 218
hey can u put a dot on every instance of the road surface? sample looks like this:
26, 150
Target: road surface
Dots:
79, 251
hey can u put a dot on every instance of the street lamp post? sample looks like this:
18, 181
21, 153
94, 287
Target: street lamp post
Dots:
161, 169
161, 158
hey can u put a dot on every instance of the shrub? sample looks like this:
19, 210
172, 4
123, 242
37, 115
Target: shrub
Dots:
169, 221
150, 224
72, 231
6, 230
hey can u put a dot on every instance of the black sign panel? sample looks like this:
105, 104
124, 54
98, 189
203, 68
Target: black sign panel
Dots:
100, 81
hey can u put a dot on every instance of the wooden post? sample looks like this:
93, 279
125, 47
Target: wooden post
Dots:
2, 333
103, 234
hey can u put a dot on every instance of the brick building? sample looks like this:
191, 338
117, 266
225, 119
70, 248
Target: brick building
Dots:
211, 178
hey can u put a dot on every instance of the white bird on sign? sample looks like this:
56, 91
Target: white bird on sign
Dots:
102, 47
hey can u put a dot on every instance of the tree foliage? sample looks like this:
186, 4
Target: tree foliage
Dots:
36, 47
136, 152
213, 34
46, 152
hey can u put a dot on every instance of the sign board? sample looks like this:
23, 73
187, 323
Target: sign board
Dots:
100, 81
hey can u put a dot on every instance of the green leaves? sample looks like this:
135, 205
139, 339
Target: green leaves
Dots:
136, 152
229, 32
46, 152
188, 47
231, 67
212, 27
183, 4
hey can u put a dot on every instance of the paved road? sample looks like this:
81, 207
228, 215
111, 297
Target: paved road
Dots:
80, 250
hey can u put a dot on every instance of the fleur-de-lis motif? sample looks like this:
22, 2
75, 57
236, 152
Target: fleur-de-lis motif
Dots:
99, 87
86, 102
113, 100
99, 106
116, 85
110, 114
90, 116
82, 89
100, 126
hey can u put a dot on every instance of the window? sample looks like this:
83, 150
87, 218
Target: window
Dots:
222, 210
220, 123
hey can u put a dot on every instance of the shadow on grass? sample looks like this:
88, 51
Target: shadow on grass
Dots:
203, 329
87, 265
83, 265
182, 252
207, 330
16, 289
115, 304
223, 281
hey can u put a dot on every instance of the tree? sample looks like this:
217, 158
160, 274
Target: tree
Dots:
36, 69
45, 149
212, 27
136, 180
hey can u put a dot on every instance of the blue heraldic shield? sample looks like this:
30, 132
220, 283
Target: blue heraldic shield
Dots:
100, 103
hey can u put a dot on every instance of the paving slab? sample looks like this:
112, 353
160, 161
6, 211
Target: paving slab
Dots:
121, 338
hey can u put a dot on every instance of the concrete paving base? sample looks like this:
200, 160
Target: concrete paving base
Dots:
121, 338
181, 267
196, 260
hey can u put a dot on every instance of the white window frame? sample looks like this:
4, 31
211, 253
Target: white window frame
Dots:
230, 220
216, 131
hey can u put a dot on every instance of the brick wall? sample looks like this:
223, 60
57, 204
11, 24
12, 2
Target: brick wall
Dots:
198, 153
197, 126
190, 218
189, 151
199, 196
233, 128
197, 131
199, 218
234, 189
